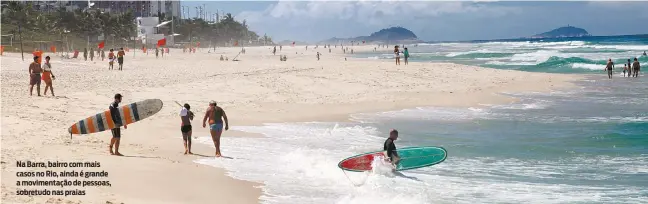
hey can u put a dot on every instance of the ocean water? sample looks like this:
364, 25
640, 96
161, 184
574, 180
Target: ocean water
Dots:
584, 145
571, 55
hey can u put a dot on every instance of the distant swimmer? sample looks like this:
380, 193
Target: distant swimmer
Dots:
609, 67
48, 76
120, 58
185, 127
216, 116
644, 54
390, 148
116, 132
35, 76
636, 67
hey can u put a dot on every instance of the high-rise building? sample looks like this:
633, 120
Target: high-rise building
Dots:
139, 8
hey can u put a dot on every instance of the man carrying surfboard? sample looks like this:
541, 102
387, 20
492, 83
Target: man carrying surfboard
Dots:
216, 115
390, 148
116, 132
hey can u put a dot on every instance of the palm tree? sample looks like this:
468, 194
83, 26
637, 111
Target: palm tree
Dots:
18, 13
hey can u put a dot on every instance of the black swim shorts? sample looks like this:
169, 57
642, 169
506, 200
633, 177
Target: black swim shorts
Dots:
185, 128
116, 132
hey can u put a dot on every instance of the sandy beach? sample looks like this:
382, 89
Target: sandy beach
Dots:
257, 89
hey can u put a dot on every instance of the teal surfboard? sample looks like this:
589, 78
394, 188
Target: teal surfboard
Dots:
411, 158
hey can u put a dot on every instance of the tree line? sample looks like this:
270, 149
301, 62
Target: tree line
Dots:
81, 26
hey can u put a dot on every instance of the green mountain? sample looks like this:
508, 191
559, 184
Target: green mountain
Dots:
563, 32
393, 34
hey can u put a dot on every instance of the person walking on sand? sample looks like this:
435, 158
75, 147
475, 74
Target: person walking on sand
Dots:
274, 50
91, 54
103, 55
636, 67
120, 58
157, 51
318, 56
116, 132
186, 116
48, 76
609, 67
34, 76
397, 55
111, 60
390, 148
85, 54
216, 115
406, 55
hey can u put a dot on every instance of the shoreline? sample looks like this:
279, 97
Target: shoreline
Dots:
259, 89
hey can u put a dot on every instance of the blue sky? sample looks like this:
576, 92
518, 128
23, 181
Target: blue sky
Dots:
430, 20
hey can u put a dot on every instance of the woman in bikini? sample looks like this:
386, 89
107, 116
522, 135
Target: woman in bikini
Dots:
111, 59
48, 76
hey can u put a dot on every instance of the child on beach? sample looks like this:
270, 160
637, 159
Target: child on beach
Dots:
625, 69
406, 55
186, 116
48, 76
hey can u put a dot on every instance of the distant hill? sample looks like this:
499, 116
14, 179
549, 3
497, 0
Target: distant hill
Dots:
563, 32
393, 34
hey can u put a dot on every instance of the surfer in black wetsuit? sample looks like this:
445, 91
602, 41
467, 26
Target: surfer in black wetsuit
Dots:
390, 148
116, 118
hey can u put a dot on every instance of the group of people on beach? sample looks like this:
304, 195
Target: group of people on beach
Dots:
111, 56
35, 78
214, 116
38, 72
631, 68
397, 53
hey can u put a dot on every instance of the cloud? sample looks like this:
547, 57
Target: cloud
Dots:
378, 13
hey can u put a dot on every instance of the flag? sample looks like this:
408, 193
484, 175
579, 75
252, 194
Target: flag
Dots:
1, 50
53, 49
162, 42
101, 45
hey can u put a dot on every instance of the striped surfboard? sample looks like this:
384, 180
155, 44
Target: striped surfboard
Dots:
128, 114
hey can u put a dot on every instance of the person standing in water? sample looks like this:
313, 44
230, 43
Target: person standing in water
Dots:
390, 148
609, 67
185, 127
406, 55
34, 76
629, 68
116, 132
216, 115
120, 58
48, 76
644, 54
636, 67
